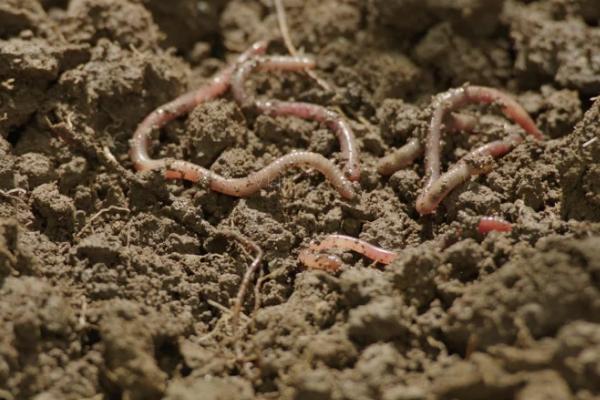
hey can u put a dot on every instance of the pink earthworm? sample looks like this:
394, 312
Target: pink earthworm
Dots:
478, 161
400, 158
302, 110
239, 187
158, 118
493, 224
455, 98
413, 149
314, 258
436, 188
242, 187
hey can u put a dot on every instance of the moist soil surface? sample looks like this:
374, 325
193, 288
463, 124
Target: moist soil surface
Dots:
118, 285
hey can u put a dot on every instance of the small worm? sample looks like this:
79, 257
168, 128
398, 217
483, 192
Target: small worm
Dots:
314, 258
477, 162
493, 224
302, 110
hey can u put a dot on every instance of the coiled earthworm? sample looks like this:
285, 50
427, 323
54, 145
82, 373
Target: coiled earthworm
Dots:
477, 162
240, 187
182, 105
302, 110
435, 189
493, 224
314, 258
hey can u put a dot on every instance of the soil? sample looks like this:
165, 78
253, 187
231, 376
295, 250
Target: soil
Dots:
115, 285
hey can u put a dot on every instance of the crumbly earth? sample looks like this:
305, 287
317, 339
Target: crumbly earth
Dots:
115, 285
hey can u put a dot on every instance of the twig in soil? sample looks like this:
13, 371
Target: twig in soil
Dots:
478, 161
82, 319
314, 258
436, 186
64, 131
224, 309
12, 192
250, 272
98, 214
493, 224
302, 110
589, 142
287, 40
283, 27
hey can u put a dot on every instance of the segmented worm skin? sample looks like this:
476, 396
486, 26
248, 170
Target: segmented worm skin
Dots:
239, 187
413, 149
314, 258
182, 105
302, 110
493, 224
243, 187
477, 162
449, 101
400, 158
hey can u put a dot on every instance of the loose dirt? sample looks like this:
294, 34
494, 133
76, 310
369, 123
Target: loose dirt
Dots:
114, 285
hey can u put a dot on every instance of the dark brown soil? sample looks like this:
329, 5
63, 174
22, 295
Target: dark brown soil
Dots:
114, 285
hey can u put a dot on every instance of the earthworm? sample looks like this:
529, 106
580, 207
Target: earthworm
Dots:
413, 149
242, 187
477, 162
455, 98
302, 110
493, 224
314, 258
182, 105
239, 187
400, 158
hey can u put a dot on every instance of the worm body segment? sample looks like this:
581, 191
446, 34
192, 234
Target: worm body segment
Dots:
309, 111
314, 258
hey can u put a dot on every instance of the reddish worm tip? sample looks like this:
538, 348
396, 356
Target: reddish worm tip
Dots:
493, 224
